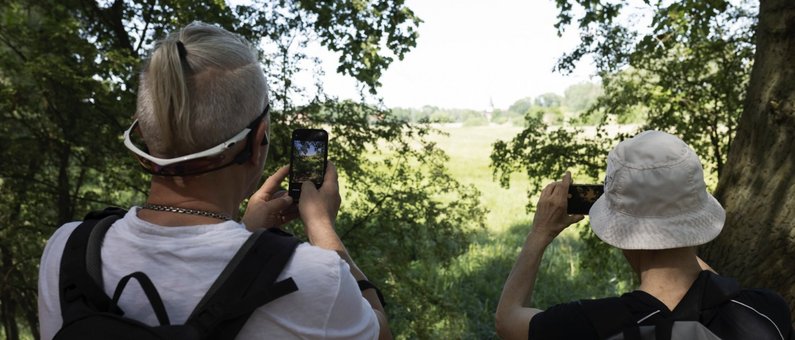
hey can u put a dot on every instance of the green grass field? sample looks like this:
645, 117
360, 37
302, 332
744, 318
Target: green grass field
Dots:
476, 277
469, 149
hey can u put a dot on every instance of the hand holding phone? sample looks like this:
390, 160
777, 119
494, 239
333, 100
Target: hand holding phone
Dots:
318, 208
308, 159
551, 218
270, 206
581, 198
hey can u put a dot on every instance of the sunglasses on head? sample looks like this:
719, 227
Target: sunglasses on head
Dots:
212, 159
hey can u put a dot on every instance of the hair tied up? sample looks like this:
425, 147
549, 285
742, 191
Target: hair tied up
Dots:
183, 53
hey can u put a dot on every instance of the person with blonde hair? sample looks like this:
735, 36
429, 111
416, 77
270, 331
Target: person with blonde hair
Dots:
656, 209
202, 130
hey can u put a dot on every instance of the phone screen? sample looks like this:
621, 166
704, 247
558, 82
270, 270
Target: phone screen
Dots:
307, 159
582, 197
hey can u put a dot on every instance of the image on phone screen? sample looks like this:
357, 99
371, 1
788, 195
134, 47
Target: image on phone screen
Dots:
581, 197
308, 159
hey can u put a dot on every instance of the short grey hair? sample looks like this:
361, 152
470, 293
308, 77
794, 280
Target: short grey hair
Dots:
193, 102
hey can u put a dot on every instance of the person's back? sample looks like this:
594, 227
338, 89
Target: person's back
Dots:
656, 209
183, 262
202, 128
716, 302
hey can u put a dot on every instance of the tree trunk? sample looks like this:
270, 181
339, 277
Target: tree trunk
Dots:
757, 188
7, 303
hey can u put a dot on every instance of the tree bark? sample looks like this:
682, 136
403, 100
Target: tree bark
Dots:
757, 188
7, 301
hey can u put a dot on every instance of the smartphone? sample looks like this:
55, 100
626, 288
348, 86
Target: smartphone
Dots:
582, 197
308, 159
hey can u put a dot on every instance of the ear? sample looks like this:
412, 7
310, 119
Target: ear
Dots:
261, 141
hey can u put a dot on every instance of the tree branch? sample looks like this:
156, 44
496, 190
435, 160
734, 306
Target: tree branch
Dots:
13, 47
112, 17
366, 216
147, 19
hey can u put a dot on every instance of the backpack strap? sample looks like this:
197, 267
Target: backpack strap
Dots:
105, 219
719, 292
80, 277
709, 293
247, 283
663, 329
151, 294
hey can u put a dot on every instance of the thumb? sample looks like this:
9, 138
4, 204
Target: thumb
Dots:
575, 218
308, 186
279, 204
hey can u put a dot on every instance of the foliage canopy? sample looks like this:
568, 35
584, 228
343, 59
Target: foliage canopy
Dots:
682, 66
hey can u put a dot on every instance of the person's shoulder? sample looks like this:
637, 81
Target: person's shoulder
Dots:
328, 303
63, 232
323, 275
49, 309
752, 313
57, 241
762, 297
53, 251
307, 255
591, 318
565, 309
564, 321
762, 301
767, 305
314, 268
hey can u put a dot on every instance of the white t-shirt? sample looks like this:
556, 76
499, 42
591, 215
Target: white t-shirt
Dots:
183, 262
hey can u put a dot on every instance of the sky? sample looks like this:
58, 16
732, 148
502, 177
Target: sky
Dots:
472, 53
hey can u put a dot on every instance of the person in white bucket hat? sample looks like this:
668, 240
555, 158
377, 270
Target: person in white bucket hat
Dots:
655, 196
656, 208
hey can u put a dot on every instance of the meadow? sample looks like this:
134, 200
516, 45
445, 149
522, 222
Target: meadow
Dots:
474, 280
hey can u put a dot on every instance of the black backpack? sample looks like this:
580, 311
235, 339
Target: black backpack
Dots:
709, 310
247, 282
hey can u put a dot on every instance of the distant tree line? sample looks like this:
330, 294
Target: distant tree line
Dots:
550, 107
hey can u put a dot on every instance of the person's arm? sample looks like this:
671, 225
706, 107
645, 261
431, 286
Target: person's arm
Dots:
512, 317
318, 210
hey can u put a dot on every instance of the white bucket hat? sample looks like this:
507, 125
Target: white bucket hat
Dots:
655, 196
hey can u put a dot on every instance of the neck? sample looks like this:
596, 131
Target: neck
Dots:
666, 274
218, 192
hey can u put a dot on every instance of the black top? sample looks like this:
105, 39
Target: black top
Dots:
739, 314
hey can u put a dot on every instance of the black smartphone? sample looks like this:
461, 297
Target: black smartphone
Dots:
308, 159
582, 197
